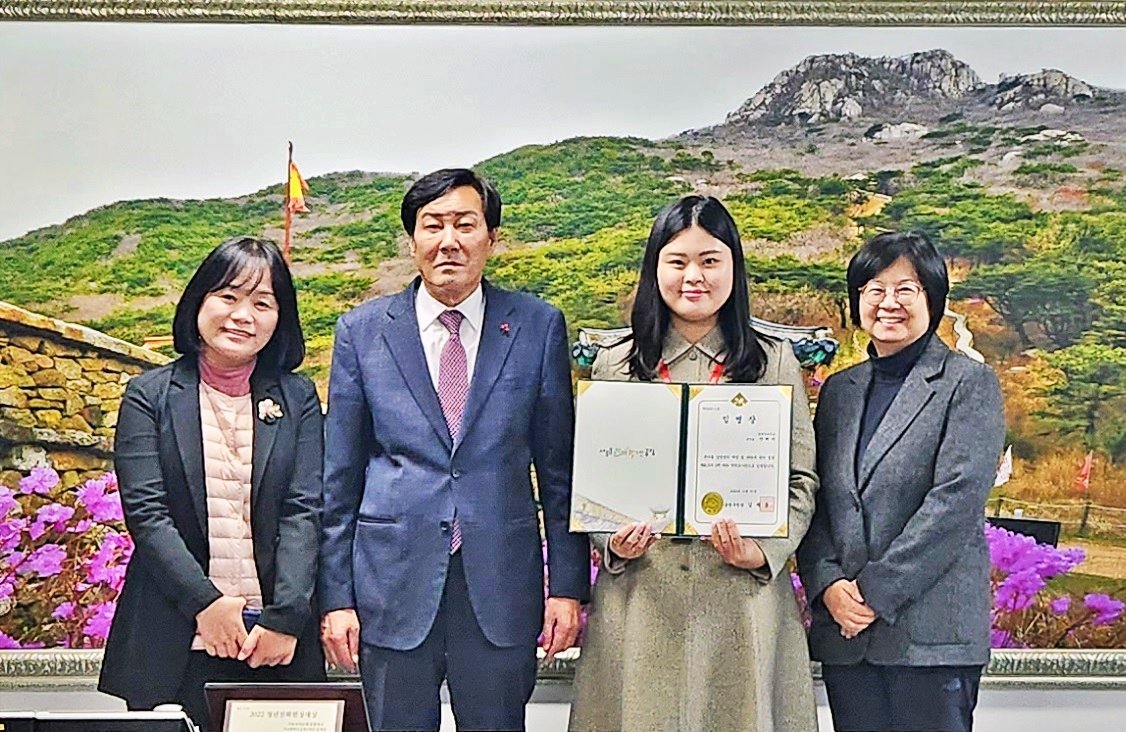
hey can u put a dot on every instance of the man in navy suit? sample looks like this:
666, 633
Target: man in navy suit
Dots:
441, 399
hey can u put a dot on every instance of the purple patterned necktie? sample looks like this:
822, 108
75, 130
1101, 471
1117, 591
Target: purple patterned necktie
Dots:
453, 391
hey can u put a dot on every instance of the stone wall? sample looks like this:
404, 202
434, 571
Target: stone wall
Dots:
60, 389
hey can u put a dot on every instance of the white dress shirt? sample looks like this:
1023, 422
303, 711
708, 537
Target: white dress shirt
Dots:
434, 335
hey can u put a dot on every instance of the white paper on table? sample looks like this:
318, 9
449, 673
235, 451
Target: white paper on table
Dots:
627, 453
738, 458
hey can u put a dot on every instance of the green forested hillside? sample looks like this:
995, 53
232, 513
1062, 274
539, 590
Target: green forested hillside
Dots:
576, 215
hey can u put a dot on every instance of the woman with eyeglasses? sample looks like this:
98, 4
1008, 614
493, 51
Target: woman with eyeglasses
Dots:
895, 563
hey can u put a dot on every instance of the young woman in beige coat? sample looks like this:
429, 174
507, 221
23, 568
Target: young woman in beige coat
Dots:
705, 634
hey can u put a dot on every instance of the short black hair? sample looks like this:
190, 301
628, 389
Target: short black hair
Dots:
433, 186
882, 250
746, 358
286, 349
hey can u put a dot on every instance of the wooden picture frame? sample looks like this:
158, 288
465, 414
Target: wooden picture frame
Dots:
61, 669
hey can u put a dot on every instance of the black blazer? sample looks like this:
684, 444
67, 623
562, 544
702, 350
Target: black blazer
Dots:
159, 460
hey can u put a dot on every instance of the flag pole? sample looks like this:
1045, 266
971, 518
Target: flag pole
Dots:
1085, 478
288, 208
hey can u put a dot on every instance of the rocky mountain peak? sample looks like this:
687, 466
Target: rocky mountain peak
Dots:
1033, 91
832, 87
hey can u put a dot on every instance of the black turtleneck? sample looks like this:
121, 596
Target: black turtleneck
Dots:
888, 375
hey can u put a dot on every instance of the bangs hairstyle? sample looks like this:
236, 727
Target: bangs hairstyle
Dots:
881, 251
222, 267
746, 359
433, 186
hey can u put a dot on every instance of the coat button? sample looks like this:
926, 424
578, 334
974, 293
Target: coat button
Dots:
692, 355
455, 473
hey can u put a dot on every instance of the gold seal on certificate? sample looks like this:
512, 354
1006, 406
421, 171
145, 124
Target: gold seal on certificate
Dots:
712, 503
680, 457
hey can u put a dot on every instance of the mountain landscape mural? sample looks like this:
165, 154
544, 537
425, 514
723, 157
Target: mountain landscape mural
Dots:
1020, 181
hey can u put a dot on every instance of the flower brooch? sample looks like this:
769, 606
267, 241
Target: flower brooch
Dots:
269, 411
505, 327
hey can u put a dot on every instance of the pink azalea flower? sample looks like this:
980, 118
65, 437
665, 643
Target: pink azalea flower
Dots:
103, 506
55, 514
1002, 639
97, 625
1106, 608
1060, 605
64, 611
11, 530
109, 562
40, 480
7, 501
36, 530
81, 527
46, 561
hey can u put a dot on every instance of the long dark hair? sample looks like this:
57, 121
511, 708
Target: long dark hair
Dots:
746, 359
286, 348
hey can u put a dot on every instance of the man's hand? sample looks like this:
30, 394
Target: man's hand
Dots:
846, 605
220, 627
560, 625
340, 636
265, 647
735, 550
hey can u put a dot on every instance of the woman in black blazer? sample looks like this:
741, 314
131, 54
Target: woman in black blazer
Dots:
895, 562
232, 395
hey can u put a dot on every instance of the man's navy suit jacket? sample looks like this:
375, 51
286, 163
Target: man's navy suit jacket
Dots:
393, 476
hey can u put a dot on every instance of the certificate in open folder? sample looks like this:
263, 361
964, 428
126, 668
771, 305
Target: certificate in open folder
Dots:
682, 456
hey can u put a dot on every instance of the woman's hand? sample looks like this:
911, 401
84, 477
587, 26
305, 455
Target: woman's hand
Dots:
631, 541
735, 550
265, 647
221, 628
846, 605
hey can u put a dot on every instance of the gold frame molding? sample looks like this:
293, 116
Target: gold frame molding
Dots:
1096, 668
579, 12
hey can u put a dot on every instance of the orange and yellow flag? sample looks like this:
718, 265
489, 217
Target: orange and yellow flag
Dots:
296, 190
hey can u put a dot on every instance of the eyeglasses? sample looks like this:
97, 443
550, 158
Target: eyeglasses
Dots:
905, 293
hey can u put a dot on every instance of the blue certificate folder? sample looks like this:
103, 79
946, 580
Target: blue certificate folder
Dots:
680, 457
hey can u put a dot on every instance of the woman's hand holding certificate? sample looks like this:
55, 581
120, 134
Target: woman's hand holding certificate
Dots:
735, 550
632, 540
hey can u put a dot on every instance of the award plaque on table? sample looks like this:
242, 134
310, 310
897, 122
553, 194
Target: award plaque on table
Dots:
682, 456
287, 706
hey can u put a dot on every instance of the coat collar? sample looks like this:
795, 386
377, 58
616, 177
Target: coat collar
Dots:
405, 342
183, 409
916, 391
676, 347
263, 387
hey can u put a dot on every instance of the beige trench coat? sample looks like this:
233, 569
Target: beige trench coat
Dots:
678, 640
